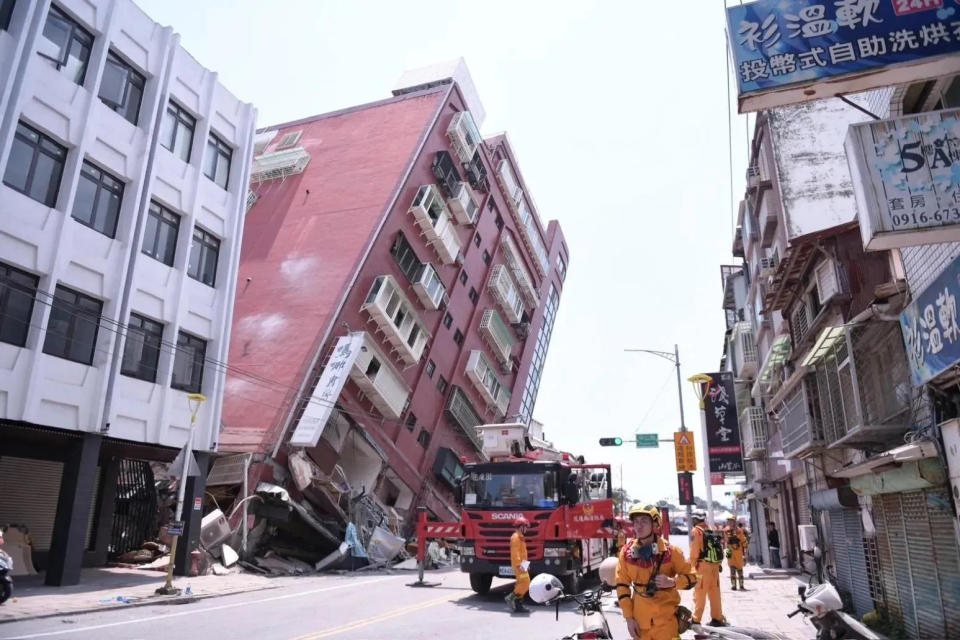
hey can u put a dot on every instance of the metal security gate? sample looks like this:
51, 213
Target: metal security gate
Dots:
846, 536
803, 505
31, 491
135, 508
920, 562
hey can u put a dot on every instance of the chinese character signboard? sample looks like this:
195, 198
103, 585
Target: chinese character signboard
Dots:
684, 450
325, 395
790, 51
906, 177
723, 426
930, 330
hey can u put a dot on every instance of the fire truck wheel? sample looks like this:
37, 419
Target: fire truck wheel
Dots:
571, 582
480, 583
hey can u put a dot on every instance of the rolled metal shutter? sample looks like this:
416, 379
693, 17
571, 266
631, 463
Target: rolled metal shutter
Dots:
31, 490
923, 565
803, 505
859, 580
898, 581
947, 555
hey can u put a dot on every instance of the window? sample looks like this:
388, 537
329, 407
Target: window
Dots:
486, 257
288, 140
35, 165
561, 267
463, 277
176, 131
411, 421
442, 384
6, 10
474, 296
447, 320
73, 325
216, 164
97, 203
204, 253
188, 363
141, 349
405, 258
65, 45
431, 367
458, 336
121, 88
424, 438
532, 385
499, 223
476, 240
18, 289
160, 237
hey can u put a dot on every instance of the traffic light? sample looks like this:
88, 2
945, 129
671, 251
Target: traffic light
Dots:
611, 442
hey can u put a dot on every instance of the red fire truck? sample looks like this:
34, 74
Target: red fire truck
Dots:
569, 505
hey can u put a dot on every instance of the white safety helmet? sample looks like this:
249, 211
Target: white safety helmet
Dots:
608, 571
545, 588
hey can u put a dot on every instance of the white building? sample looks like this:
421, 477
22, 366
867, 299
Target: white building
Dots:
123, 193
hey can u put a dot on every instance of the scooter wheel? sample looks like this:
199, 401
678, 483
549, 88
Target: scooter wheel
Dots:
6, 591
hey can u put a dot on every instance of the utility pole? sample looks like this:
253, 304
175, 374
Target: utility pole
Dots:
675, 359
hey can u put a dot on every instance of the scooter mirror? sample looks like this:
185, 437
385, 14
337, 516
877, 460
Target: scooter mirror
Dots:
802, 592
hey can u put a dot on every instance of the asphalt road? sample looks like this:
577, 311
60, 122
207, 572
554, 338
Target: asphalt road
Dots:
355, 606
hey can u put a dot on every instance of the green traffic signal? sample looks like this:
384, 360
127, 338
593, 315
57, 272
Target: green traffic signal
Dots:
611, 442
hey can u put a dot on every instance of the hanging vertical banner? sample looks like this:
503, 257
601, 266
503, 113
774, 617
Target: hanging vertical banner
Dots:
723, 425
335, 373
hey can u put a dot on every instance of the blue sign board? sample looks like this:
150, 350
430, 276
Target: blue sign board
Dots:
782, 43
930, 330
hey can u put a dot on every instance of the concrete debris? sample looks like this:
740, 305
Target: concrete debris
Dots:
409, 564
279, 565
230, 556
219, 570
160, 564
334, 557
383, 546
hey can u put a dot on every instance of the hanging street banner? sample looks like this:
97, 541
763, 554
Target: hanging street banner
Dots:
335, 373
791, 51
685, 488
906, 178
723, 425
930, 330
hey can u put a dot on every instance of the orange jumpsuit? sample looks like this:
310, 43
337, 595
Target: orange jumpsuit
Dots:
708, 578
518, 554
656, 616
736, 540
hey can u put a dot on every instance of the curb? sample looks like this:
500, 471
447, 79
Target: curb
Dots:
143, 602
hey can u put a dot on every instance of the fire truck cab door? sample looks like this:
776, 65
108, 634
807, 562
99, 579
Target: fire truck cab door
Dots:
590, 519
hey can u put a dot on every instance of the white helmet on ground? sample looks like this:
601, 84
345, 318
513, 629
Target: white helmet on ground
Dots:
608, 571
545, 588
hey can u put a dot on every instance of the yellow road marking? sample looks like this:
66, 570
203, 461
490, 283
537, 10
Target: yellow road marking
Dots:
350, 626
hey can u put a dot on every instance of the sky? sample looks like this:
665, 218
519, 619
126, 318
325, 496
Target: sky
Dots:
618, 113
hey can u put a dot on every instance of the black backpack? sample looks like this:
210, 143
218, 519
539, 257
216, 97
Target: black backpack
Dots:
712, 547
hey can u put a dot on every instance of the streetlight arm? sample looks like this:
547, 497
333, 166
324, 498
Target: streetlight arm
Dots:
666, 355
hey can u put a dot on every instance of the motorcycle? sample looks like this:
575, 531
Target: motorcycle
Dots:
6, 566
546, 588
822, 606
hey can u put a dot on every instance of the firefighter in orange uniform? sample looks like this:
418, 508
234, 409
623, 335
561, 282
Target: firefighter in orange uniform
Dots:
649, 572
520, 564
706, 555
736, 541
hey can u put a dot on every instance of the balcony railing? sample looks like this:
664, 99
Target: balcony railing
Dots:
433, 218
505, 293
429, 288
460, 412
800, 422
510, 185
484, 378
745, 349
514, 260
464, 136
753, 424
497, 335
380, 382
393, 314
464, 205
279, 164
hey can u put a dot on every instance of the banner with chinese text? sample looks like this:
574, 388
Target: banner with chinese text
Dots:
778, 44
930, 330
723, 425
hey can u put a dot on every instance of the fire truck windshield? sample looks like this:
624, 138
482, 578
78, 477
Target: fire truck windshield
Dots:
516, 489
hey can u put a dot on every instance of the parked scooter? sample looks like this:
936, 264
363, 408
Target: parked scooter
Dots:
6, 566
822, 606
546, 588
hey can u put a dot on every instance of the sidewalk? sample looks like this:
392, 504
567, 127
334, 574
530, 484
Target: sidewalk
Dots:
764, 605
102, 588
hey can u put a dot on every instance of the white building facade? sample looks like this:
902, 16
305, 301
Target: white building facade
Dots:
123, 194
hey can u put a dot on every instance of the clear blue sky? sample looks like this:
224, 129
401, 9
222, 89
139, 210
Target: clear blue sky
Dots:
618, 114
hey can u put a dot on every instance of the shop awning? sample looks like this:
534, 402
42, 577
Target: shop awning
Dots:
888, 460
825, 342
779, 351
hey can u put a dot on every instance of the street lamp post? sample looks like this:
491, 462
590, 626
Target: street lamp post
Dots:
675, 359
701, 387
195, 400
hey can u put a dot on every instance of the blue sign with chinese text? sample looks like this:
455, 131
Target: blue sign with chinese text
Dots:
930, 330
780, 43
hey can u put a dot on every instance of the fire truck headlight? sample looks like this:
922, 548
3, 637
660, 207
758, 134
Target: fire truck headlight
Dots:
556, 552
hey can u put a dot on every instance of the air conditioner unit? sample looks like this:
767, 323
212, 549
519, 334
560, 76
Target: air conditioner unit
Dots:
808, 536
753, 176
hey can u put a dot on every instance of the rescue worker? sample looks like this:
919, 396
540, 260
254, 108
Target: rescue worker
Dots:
649, 572
706, 555
622, 524
520, 564
736, 541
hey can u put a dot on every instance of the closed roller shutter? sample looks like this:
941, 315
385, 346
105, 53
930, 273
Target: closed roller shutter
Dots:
30, 495
948, 557
846, 536
803, 505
